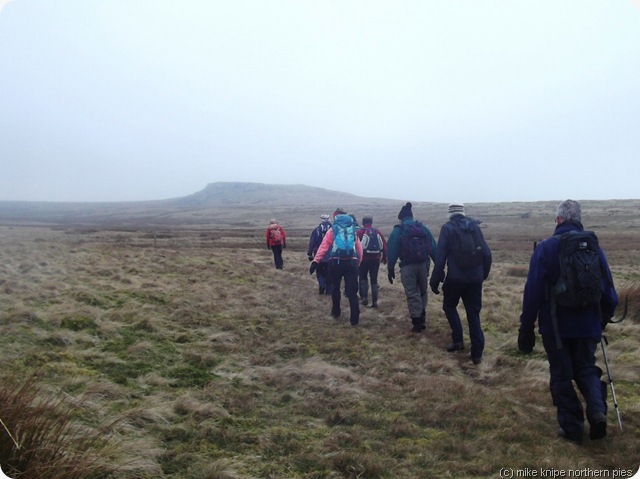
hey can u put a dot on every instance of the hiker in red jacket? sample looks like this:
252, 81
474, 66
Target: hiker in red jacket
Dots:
276, 242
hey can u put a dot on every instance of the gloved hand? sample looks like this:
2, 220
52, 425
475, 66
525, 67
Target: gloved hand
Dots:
312, 267
391, 275
526, 340
434, 287
310, 256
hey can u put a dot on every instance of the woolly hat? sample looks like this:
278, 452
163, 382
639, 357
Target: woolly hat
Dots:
367, 220
324, 217
273, 221
405, 212
455, 209
339, 211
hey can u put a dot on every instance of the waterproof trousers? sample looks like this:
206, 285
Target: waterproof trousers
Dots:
369, 271
277, 256
471, 296
575, 362
348, 270
414, 280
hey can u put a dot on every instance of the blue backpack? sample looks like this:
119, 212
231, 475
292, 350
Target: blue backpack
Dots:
344, 238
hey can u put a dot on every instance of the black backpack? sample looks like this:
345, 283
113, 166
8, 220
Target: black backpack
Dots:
579, 285
371, 241
467, 248
415, 244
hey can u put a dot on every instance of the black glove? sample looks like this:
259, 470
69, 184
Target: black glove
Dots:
526, 340
310, 256
606, 319
391, 275
312, 267
434, 287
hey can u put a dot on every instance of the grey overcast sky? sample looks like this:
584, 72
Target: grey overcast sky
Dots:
425, 100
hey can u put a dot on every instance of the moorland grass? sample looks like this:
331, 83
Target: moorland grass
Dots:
207, 363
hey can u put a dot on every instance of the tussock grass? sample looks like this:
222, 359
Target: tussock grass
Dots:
211, 364
40, 438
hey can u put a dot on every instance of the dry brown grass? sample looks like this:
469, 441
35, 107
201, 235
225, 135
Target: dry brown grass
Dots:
214, 365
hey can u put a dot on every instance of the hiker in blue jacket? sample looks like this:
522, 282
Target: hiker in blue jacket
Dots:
315, 240
468, 263
414, 263
571, 342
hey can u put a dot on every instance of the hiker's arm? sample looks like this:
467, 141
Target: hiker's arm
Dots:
359, 250
609, 301
384, 249
534, 290
437, 276
327, 241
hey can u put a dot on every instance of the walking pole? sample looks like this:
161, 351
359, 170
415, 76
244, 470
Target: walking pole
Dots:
603, 341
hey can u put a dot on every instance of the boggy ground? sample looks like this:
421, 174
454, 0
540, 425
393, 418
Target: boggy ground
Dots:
216, 365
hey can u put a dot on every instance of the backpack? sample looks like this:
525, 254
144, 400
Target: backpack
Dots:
580, 283
344, 237
275, 234
467, 249
415, 244
321, 230
371, 241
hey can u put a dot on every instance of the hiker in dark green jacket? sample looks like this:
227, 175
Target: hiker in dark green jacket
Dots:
412, 243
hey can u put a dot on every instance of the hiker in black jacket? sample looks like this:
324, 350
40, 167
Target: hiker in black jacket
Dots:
315, 240
468, 261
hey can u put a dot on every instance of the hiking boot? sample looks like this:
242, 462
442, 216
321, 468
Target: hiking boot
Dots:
569, 437
476, 360
321, 289
364, 302
455, 347
598, 426
374, 305
418, 325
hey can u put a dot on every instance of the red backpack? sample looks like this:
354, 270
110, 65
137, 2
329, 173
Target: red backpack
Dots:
275, 234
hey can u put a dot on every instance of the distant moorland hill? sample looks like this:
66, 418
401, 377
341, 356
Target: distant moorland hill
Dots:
251, 205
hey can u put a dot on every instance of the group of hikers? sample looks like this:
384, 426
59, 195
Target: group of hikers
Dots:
569, 291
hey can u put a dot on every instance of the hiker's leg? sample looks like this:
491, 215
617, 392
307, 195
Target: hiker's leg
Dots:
351, 291
363, 282
472, 300
336, 276
422, 277
277, 256
409, 278
569, 409
321, 276
373, 271
451, 292
588, 376
328, 277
